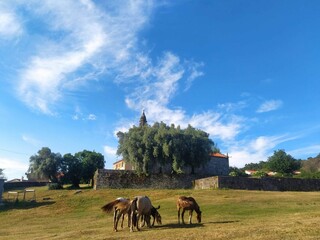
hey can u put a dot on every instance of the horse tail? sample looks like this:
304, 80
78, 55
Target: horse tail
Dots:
109, 206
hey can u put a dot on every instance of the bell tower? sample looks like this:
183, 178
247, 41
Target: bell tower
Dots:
143, 119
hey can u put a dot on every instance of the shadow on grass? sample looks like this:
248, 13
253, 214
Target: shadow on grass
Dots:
193, 225
10, 205
223, 222
176, 225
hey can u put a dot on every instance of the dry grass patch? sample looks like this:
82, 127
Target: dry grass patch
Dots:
227, 214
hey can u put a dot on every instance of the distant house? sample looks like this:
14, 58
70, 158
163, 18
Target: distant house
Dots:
250, 172
122, 165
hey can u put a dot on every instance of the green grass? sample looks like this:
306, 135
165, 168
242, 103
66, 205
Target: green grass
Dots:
227, 214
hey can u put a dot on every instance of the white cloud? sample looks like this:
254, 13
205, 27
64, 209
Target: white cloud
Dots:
13, 168
9, 22
92, 117
305, 152
255, 150
110, 150
31, 140
269, 105
85, 36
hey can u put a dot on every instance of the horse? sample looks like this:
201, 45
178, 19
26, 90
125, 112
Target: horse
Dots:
140, 206
121, 207
156, 216
188, 203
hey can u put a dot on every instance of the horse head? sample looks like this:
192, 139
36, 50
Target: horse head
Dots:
199, 216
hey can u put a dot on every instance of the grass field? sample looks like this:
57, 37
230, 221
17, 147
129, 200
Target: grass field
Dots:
226, 214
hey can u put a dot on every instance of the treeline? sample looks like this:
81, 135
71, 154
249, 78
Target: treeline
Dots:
66, 169
284, 165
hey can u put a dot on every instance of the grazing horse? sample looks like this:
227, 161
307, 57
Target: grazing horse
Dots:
188, 203
156, 216
121, 207
140, 206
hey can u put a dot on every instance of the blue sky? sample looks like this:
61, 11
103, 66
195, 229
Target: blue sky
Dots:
73, 73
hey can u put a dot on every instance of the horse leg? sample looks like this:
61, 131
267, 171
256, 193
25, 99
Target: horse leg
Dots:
122, 220
147, 218
114, 218
143, 221
132, 216
182, 216
154, 218
190, 216
138, 216
116, 224
179, 215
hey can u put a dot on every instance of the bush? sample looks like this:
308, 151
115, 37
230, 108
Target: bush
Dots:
260, 174
54, 186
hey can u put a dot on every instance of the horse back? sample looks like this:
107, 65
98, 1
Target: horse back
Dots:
144, 205
188, 203
118, 203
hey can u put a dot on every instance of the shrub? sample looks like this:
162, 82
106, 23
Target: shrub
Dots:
260, 174
54, 186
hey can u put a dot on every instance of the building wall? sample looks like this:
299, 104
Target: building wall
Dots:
266, 184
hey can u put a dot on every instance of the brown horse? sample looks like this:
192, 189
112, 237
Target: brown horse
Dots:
140, 206
121, 207
188, 203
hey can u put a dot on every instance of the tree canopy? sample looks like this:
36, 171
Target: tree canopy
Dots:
2, 173
282, 162
147, 147
91, 161
45, 164
67, 169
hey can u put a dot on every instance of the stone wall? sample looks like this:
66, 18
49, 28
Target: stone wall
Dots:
129, 179
21, 185
266, 184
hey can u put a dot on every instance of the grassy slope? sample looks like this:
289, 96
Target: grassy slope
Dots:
227, 214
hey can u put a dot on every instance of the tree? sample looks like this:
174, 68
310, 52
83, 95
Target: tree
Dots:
2, 173
72, 170
147, 147
282, 162
91, 161
255, 166
45, 164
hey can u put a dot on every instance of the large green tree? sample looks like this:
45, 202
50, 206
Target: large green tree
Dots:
72, 170
45, 164
91, 161
282, 162
147, 147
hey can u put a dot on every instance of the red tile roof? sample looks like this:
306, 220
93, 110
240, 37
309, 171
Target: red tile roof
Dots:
219, 155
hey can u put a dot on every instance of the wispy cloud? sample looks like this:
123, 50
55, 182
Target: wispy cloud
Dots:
305, 152
31, 140
269, 105
255, 150
9, 22
78, 35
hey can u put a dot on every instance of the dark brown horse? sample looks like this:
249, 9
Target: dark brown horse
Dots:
120, 207
190, 204
156, 216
